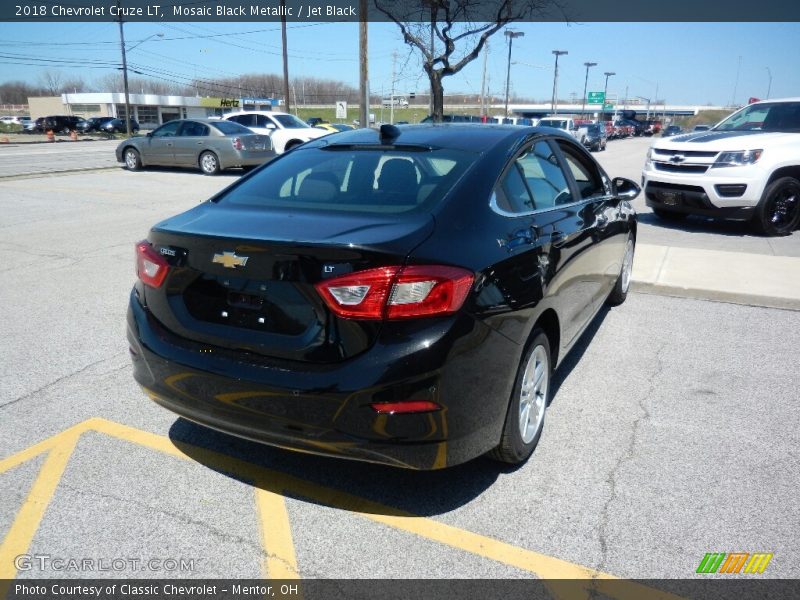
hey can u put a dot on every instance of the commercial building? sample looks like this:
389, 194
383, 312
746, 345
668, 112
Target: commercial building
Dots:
150, 110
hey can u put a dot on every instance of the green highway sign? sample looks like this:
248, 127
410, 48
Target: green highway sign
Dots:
596, 97
608, 106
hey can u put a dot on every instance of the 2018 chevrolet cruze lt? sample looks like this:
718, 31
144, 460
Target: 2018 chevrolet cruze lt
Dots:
399, 296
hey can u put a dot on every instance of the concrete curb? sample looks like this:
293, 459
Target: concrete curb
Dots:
736, 277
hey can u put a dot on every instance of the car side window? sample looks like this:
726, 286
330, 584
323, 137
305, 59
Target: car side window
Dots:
167, 130
586, 175
192, 129
534, 181
262, 121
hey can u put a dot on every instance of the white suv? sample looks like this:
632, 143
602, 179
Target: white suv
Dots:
285, 130
746, 167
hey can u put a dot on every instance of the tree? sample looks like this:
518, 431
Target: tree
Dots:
52, 81
449, 34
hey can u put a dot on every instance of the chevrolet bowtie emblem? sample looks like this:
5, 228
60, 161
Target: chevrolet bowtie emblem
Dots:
230, 260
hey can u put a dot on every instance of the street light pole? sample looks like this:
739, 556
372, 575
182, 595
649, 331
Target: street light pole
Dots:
510, 35
605, 90
585, 83
555, 79
769, 86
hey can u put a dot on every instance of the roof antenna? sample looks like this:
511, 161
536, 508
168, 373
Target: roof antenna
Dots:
389, 133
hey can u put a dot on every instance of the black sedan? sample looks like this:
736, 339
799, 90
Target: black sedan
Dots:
94, 124
400, 296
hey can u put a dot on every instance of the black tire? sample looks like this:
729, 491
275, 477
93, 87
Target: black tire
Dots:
132, 159
621, 287
512, 448
209, 163
778, 212
669, 215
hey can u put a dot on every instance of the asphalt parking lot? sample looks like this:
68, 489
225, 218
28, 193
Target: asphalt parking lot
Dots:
672, 432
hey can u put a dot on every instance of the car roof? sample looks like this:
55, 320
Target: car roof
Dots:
458, 136
776, 100
253, 112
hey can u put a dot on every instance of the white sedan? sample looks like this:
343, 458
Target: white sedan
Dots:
286, 130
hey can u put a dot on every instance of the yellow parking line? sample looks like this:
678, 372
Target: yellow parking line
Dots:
14, 460
276, 534
30, 515
270, 486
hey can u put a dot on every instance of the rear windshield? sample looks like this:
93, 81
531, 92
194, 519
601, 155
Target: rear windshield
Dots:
231, 128
371, 180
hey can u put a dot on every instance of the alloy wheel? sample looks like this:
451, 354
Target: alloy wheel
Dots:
533, 394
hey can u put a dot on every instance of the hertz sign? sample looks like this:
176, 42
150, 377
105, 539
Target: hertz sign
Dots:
220, 102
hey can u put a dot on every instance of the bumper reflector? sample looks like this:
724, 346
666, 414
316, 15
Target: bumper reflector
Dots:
411, 406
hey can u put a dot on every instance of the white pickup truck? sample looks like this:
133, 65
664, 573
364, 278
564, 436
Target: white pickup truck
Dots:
747, 167
568, 125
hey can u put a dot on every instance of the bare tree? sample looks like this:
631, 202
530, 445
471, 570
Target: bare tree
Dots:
52, 81
449, 34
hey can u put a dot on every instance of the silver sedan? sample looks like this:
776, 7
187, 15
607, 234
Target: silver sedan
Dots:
206, 144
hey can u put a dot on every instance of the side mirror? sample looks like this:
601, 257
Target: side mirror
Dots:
149, 134
625, 188
271, 126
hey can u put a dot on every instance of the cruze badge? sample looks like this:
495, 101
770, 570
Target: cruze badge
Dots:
229, 260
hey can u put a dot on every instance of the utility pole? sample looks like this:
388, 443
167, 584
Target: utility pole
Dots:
585, 84
124, 73
510, 35
484, 112
391, 97
555, 79
363, 91
285, 56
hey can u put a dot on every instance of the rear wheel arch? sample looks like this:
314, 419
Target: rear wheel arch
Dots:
291, 144
549, 323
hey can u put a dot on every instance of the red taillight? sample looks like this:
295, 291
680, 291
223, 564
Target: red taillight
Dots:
410, 406
151, 268
237, 143
397, 292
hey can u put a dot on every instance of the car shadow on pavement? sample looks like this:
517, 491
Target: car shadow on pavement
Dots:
227, 173
384, 489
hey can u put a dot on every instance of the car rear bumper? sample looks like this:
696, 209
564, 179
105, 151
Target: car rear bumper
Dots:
326, 409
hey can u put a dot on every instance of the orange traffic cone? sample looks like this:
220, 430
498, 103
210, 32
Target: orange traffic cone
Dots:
51, 137
73, 135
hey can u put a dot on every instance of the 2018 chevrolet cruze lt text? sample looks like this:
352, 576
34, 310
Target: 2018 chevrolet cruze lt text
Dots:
399, 296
